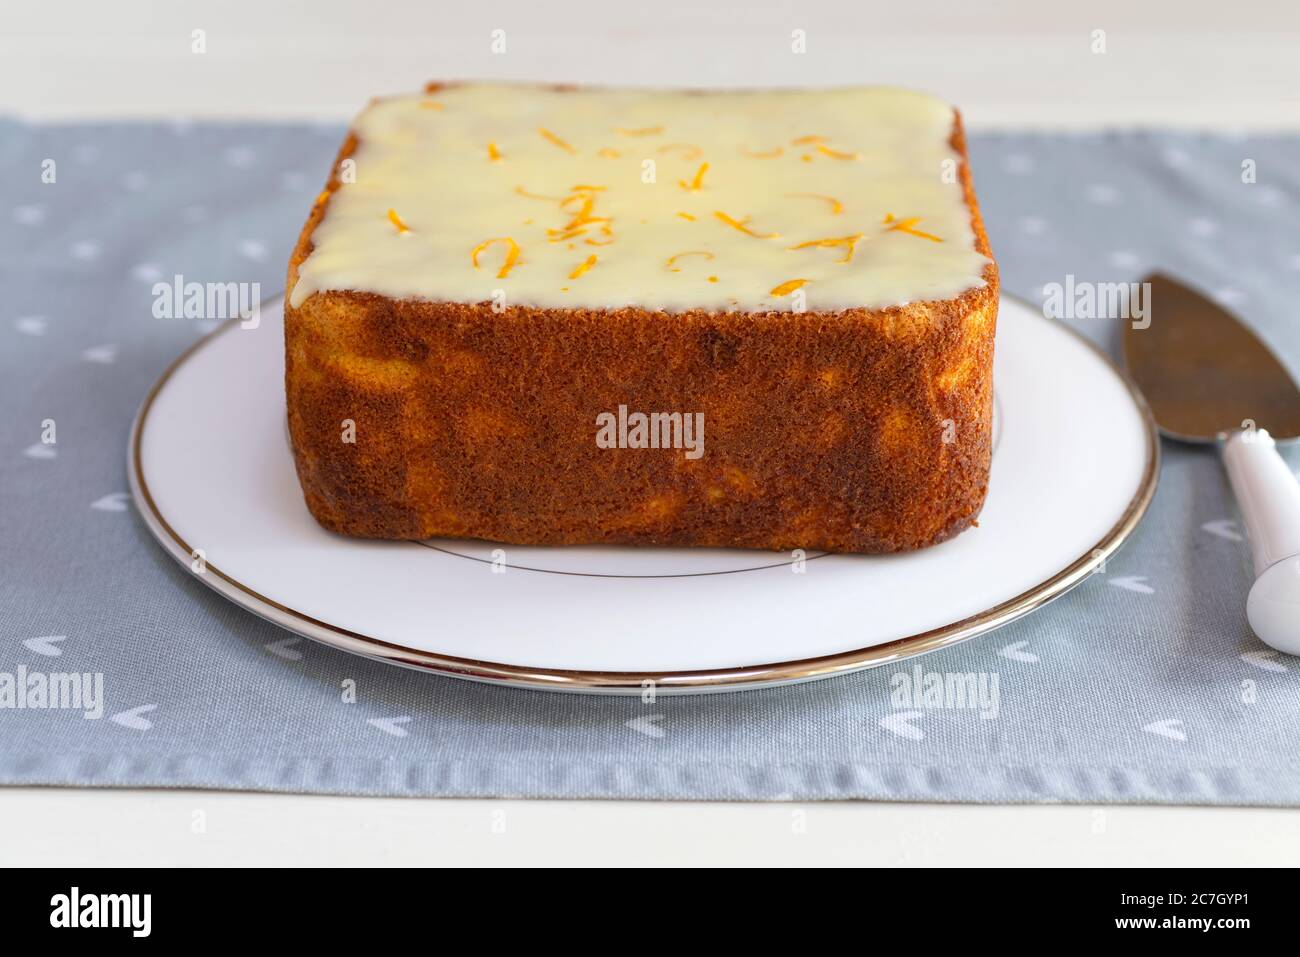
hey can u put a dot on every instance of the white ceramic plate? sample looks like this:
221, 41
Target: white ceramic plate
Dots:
1074, 467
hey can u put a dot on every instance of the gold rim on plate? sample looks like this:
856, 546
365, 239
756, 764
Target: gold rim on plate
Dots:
720, 679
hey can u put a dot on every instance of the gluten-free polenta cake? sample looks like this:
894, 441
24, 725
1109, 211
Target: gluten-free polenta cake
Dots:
545, 315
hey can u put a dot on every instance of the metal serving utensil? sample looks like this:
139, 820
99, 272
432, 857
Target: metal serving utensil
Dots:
1209, 379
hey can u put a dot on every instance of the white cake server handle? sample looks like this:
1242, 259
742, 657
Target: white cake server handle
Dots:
1269, 497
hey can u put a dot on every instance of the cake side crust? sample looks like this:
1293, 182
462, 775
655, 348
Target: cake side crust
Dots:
856, 431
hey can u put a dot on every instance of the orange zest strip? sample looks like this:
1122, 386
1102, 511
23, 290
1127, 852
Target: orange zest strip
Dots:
696, 184
494, 154
527, 195
609, 153
564, 235
686, 216
808, 139
397, 221
836, 206
689, 150
581, 219
692, 252
849, 242
905, 226
836, 154
643, 131
787, 287
581, 194
587, 264
578, 204
552, 138
713, 279
512, 255
741, 225
770, 154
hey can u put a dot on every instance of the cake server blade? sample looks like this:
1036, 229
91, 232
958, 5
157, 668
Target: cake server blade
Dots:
1203, 371
1208, 378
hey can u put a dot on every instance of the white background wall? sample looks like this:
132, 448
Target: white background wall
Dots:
1005, 62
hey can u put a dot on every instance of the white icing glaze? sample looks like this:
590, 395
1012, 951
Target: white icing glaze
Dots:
848, 160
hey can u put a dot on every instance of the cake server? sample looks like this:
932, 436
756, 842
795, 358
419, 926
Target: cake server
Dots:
1208, 379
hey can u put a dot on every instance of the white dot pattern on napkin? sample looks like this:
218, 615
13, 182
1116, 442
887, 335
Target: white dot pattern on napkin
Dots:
1131, 688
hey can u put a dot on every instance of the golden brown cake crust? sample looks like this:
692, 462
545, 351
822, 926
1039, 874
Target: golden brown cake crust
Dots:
856, 431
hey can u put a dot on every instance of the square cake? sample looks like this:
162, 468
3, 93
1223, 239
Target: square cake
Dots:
545, 315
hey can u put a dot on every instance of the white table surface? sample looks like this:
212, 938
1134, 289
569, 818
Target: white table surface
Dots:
1010, 64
